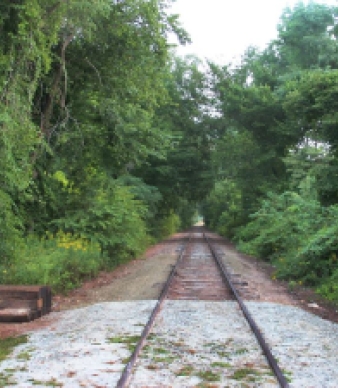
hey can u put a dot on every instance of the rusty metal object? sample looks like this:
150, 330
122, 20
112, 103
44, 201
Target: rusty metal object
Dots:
266, 350
24, 303
199, 275
126, 374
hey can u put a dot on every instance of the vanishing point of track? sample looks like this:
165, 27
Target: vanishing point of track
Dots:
200, 274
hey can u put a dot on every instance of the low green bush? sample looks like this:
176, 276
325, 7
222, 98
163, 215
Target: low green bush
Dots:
280, 226
113, 219
222, 208
300, 237
62, 262
329, 288
315, 260
168, 225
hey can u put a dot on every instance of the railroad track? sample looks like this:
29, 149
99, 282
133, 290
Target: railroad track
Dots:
201, 275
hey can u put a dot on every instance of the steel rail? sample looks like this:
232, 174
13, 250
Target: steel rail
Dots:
126, 374
254, 327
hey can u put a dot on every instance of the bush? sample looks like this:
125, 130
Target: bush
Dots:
61, 262
280, 227
113, 219
329, 288
10, 229
187, 213
299, 236
222, 209
315, 259
168, 225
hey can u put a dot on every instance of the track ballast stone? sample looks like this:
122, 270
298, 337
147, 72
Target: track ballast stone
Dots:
192, 344
198, 342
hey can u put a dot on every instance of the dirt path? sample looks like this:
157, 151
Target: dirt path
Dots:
143, 278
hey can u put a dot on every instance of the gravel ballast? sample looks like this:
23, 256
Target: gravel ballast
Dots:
192, 343
305, 344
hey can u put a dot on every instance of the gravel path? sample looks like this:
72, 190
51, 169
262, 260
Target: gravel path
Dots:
84, 348
193, 343
305, 345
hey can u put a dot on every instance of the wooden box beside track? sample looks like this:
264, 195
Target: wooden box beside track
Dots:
24, 303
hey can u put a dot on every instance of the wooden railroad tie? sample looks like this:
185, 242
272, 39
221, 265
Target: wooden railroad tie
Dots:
24, 303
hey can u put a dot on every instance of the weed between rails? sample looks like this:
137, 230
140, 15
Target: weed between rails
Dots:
47, 383
208, 375
130, 341
187, 370
249, 374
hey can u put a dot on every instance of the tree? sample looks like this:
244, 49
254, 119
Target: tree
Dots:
251, 138
186, 171
28, 32
98, 113
223, 208
307, 34
311, 102
82, 96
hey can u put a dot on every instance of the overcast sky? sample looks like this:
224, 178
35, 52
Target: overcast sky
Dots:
221, 30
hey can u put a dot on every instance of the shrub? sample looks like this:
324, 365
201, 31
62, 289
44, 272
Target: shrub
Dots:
10, 229
280, 226
168, 224
62, 262
113, 219
329, 288
223, 208
316, 258
299, 236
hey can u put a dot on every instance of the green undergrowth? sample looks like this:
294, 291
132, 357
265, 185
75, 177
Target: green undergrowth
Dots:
8, 344
208, 375
47, 383
299, 237
129, 341
246, 374
61, 262
64, 260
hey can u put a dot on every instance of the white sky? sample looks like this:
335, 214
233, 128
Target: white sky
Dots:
221, 30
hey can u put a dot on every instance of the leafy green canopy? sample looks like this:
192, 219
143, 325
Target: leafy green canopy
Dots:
275, 154
184, 176
28, 32
306, 36
82, 84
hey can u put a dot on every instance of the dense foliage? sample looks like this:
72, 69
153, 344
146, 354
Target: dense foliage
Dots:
87, 88
109, 142
275, 162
